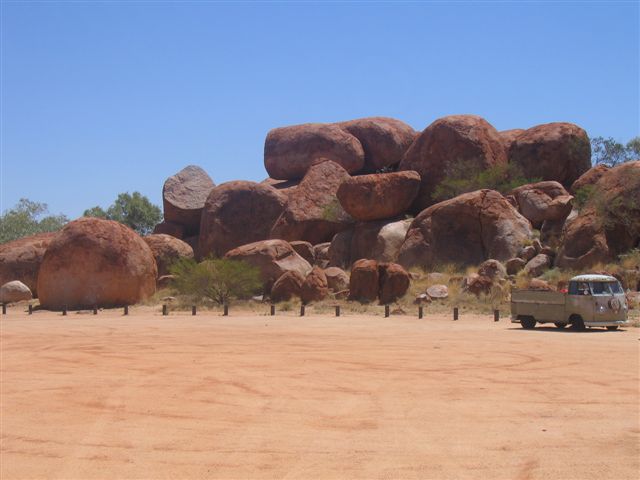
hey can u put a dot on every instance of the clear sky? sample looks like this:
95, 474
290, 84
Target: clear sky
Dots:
100, 98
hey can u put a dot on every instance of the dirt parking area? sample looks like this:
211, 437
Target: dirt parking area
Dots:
147, 396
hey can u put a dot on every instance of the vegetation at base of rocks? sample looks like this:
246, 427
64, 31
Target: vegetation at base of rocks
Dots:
28, 218
468, 176
133, 210
331, 211
216, 279
609, 152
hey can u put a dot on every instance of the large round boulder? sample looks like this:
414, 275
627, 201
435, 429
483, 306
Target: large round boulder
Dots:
450, 143
590, 177
608, 224
394, 282
379, 195
315, 287
95, 262
287, 286
384, 140
14, 291
465, 230
237, 213
290, 151
166, 250
183, 197
364, 281
313, 213
553, 151
337, 279
21, 259
272, 258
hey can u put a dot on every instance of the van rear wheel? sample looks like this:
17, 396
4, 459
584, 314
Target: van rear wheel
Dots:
577, 323
612, 327
528, 322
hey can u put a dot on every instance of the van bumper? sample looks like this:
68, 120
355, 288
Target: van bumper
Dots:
607, 323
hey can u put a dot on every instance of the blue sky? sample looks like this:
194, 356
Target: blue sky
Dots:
102, 98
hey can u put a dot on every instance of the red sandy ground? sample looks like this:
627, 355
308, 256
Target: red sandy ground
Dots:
147, 396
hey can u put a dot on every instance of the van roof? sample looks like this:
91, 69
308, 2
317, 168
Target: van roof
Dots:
594, 278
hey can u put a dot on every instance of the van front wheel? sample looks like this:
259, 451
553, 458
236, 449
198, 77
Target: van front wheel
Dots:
528, 322
577, 323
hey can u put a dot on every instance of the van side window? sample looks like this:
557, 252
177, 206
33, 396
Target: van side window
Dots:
573, 288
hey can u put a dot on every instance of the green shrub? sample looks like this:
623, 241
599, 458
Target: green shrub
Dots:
219, 280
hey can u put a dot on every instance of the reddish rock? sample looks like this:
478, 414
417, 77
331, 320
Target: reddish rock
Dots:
493, 269
554, 151
438, 292
314, 213
394, 282
237, 213
169, 228
96, 262
305, 250
477, 284
465, 230
364, 282
542, 201
538, 284
449, 141
286, 287
21, 259
315, 287
194, 243
384, 140
340, 249
289, 152
321, 254
14, 291
590, 177
514, 265
509, 136
607, 226
166, 250
284, 186
273, 258
183, 197
380, 195
165, 281
551, 230
528, 252
337, 279
538, 265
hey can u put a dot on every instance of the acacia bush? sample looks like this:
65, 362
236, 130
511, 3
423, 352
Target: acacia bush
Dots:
216, 279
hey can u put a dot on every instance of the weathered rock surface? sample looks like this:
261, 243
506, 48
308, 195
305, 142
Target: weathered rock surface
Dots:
493, 269
321, 254
608, 225
528, 252
477, 284
458, 139
289, 152
538, 284
14, 291
379, 195
514, 265
509, 136
538, 265
166, 250
467, 229
184, 195
551, 230
305, 250
438, 291
21, 259
314, 213
287, 286
365, 280
273, 258
337, 279
237, 213
169, 228
553, 151
315, 287
384, 140
95, 262
394, 282
542, 201
590, 177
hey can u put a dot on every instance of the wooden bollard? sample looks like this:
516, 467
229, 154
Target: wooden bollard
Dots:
496, 315
193, 310
64, 310
420, 311
126, 309
455, 313
4, 308
30, 309
165, 310
302, 310
273, 310
386, 311
225, 310
337, 310
95, 310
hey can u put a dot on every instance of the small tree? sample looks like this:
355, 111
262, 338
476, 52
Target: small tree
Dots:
219, 280
134, 210
609, 152
28, 218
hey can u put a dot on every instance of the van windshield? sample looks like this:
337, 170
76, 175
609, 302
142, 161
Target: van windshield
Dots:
605, 288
